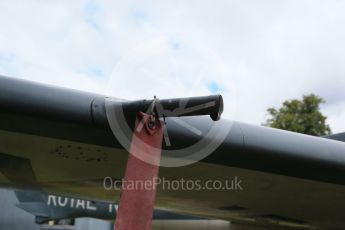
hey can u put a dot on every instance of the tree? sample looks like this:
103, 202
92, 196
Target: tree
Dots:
301, 116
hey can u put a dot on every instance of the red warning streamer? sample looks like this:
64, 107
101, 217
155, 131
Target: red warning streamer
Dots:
138, 189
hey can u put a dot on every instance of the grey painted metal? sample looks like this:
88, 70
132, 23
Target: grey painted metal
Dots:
13, 218
46, 101
75, 115
46, 207
337, 136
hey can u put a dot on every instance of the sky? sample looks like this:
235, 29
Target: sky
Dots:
255, 53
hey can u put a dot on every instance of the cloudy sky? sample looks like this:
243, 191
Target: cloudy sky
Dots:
255, 53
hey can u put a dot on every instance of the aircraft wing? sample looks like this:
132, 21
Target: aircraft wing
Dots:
60, 140
46, 207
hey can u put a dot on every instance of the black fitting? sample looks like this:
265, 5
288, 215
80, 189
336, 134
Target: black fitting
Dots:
177, 107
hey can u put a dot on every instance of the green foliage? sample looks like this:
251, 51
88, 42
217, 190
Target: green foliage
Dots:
301, 116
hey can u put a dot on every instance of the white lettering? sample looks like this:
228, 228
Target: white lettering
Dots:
80, 204
50, 199
89, 206
72, 202
62, 203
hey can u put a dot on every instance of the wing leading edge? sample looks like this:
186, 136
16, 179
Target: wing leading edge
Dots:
287, 174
